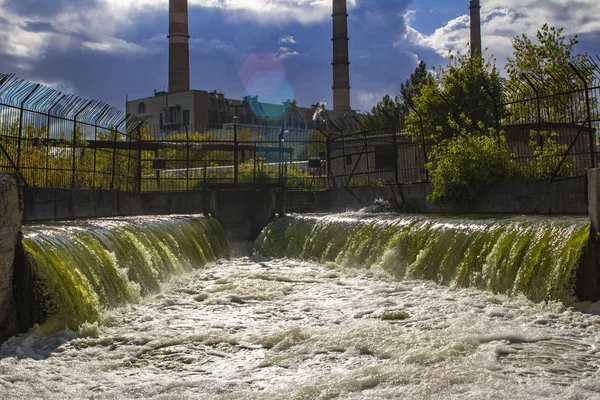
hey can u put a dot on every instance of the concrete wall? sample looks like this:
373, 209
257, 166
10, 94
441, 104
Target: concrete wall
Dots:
526, 196
243, 213
247, 212
588, 274
10, 225
43, 204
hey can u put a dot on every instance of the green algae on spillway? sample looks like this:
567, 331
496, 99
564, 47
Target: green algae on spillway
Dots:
79, 268
535, 256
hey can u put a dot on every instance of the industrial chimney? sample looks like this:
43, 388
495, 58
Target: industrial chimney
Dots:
475, 27
341, 62
179, 48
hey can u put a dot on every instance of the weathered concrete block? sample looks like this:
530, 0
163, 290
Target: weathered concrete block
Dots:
10, 225
588, 274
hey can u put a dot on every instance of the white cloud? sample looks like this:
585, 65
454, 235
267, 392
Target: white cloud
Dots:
503, 20
31, 37
286, 52
303, 11
213, 45
367, 99
61, 86
96, 27
287, 40
115, 46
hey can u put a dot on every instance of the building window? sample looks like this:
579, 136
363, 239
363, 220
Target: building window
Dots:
171, 117
142, 108
349, 160
186, 117
384, 157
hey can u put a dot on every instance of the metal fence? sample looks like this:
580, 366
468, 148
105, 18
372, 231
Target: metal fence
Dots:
52, 139
550, 123
234, 156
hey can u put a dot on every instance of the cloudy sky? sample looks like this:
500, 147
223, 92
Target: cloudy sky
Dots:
110, 49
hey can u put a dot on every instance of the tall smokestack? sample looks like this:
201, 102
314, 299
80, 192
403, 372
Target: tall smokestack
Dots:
179, 47
475, 27
341, 62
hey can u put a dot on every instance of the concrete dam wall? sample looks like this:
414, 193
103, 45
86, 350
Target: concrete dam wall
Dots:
10, 225
243, 214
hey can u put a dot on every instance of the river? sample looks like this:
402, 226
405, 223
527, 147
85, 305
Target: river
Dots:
260, 328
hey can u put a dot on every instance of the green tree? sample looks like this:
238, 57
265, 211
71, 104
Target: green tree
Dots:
383, 114
466, 94
545, 65
548, 155
465, 165
397, 109
413, 88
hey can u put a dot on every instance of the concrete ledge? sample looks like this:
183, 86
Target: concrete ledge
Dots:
520, 196
42, 204
10, 226
588, 274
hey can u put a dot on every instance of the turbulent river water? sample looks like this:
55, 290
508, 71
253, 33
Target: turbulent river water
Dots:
280, 328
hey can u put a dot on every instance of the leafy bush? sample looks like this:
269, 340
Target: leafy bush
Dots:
463, 166
548, 156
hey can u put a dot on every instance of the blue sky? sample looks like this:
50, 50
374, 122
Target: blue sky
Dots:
110, 49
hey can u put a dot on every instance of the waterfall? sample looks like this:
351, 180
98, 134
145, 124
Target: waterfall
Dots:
535, 256
72, 271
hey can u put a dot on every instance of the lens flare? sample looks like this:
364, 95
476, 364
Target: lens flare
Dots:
264, 75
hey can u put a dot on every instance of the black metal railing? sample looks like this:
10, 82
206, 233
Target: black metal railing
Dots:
51, 139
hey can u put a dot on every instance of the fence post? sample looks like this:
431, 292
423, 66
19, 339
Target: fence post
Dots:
104, 111
394, 128
423, 143
139, 164
496, 116
342, 135
366, 147
592, 140
329, 172
187, 159
21, 117
112, 177
74, 144
281, 155
48, 136
236, 160
539, 109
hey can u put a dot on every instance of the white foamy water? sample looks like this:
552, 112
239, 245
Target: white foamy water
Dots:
279, 329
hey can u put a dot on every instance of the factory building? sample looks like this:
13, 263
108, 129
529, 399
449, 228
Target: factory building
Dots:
181, 110
202, 111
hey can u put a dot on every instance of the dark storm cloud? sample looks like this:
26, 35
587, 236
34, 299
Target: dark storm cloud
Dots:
46, 8
221, 41
39, 27
378, 64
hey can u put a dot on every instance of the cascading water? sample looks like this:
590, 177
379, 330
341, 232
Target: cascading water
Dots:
278, 329
77, 269
531, 255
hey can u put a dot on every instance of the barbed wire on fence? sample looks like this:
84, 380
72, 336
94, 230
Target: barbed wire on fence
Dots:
57, 139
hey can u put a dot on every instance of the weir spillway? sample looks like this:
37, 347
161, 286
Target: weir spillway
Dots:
352, 306
535, 256
70, 272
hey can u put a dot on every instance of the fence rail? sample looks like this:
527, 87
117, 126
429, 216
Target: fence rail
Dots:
51, 139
